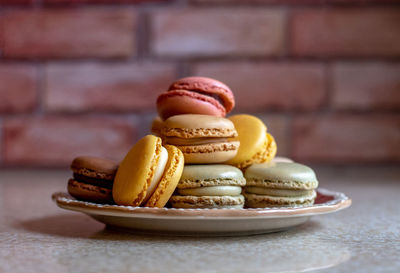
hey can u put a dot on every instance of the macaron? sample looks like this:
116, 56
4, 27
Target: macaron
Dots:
209, 186
92, 179
156, 126
148, 174
256, 145
282, 159
196, 95
203, 139
280, 184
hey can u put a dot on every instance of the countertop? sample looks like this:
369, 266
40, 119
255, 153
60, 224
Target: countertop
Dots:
37, 236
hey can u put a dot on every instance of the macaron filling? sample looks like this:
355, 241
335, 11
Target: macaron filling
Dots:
105, 183
194, 141
212, 191
162, 162
277, 192
212, 95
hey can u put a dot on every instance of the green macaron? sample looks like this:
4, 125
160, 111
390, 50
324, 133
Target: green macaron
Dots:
280, 184
209, 186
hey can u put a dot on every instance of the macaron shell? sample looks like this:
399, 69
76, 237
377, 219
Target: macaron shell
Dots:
136, 171
253, 140
169, 180
209, 153
192, 202
259, 157
156, 126
271, 150
90, 193
282, 174
262, 201
282, 159
178, 102
95, 167
207, 86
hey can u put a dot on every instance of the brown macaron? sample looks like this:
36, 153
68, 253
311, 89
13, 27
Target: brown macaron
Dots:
92, 179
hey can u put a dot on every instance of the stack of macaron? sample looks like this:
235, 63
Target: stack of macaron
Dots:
198, 158
92, 179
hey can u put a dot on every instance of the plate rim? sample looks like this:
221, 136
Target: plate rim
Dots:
340, 201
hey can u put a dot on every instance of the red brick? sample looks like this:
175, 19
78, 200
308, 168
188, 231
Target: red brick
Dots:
1, 35
107, 87
347, 138
297, 2
18, 92
346, 32
54, 2
366, 86
55, 141
268, 86
212, 32
278, 126
69, 33
16, 2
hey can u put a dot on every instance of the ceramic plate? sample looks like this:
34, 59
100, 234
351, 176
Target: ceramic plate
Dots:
205, 221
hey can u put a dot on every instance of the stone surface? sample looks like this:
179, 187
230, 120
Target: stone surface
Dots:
69, 33
366, 86
18, 88
268, 86
347, 138
55, 141
107, 87
37, 236
213, 32
346, 32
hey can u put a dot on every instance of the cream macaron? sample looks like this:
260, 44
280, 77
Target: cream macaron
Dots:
209, 186
203, 139
279, 184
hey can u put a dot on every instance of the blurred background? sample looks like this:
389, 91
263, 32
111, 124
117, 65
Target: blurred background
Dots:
80, 77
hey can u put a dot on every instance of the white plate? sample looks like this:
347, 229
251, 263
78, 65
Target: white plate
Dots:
205, 221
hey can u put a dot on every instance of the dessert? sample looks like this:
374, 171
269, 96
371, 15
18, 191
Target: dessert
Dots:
209, 186
196, 95
256, 145
156, 126
148, 174
279, 184
202, 138
282, 159
92, 179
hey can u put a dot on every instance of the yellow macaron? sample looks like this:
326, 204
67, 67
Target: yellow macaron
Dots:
149, 174
256, 145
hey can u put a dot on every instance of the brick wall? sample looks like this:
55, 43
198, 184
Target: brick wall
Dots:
81, 76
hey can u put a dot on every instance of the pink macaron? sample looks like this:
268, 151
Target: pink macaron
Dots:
196, 95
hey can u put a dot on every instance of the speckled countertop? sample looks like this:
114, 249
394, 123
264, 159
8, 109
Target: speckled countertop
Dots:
37, 236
